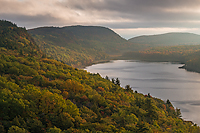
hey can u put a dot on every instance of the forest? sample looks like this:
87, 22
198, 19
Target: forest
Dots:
79, 46
167, 39
41, 95
189, 55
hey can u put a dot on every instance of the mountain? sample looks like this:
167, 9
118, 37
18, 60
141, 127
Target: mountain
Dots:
17, 39
189, 55
168, 39
42, 95
78, 45
171, 47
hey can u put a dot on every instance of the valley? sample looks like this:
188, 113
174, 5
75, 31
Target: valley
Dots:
41, 94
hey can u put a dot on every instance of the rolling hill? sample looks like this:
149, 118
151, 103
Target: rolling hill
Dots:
168, 39
42, 95
16, 39
79, 45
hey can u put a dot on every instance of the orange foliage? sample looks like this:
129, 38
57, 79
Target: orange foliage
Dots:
100, 89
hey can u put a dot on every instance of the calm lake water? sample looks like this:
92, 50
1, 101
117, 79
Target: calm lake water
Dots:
161, 80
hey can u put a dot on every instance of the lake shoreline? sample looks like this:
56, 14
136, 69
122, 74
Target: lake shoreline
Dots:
93, 63
164, 85
133, 60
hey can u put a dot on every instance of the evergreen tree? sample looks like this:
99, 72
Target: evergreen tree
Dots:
117, 82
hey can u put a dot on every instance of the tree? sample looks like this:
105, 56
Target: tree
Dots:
13, 70
35, 126
128, 87
149, 96
63, 121
142, 127
117, 82
107, 78
169, 104
54, 130
19, 121
178, 113
113, 80
151, 109
16, 129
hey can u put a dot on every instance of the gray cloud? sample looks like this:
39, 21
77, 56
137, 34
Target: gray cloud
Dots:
143, 13
111, 13
31, 21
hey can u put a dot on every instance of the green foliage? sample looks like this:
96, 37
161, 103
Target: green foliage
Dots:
54, 130
39, 95
16, 129
187, 54
17, 39
168, 39
79, 45
2, 130
35, 126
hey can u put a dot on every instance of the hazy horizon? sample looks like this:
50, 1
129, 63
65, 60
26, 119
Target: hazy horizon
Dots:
116, 31
128, 18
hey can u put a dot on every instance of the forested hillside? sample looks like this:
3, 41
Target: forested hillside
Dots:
79, 45
192, 62
172, 47
82, 45
16, 39
168, 39
186, 54
40, 95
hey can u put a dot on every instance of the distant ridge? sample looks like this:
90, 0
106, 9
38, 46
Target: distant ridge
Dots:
82, 35
42, 95
79, 45
168, 39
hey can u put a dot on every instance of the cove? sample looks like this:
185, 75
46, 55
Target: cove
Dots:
162, 80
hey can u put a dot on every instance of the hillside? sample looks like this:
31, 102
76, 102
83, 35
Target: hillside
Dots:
192, 61
17, 39
185, 54
78, 45
41, 95
168, 39
172, 47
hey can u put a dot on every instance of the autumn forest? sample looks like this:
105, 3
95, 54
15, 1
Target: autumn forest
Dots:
43, 91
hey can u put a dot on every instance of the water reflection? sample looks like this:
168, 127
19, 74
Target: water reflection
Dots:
161, 80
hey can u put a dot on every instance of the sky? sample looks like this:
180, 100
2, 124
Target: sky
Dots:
128, 18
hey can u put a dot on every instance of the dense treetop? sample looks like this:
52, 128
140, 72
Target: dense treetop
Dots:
79, 45
185, 54
39, 95
17, 39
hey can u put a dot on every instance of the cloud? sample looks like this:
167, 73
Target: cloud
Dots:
133, 32
31, 21
116, 14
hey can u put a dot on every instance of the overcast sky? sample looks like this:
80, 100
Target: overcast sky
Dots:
128, 18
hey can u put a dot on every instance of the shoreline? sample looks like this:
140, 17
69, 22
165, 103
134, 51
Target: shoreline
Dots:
184, 119
184, 66
93, 63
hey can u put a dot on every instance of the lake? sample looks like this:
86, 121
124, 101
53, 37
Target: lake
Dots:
162, 80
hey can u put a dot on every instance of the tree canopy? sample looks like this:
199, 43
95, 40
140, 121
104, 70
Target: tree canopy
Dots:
39, 94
